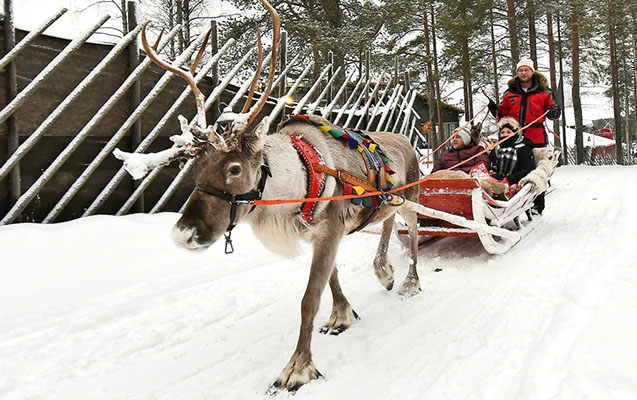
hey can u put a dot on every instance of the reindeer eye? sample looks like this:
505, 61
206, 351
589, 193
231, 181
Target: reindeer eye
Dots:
235, 170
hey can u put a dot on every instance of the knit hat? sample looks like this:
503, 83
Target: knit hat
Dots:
465, 135
508, 122
525, 62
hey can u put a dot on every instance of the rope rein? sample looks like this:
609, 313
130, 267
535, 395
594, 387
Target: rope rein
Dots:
396, 189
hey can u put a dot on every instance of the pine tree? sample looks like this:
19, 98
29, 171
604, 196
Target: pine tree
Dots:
531, 13
575, 9
513, 32
464, 26
345, 27
552, 72
433, 105
612, 7
634, 40
494, 58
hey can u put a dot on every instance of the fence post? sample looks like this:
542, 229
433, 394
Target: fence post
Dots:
283, 63
327, 111
330, 61
135, 93
11, 89
396, 77
310, 92
29, 38
45, 74
407, 81
379, 103
368, 55
214, 74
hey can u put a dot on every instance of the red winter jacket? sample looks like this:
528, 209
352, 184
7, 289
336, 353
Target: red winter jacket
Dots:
452, 157
526, 106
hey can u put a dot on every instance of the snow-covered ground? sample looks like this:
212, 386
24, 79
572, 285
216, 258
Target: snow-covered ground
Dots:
590, 140
107, 308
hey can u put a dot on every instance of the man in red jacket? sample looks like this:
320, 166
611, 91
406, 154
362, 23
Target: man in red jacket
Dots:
526, 99
462, 149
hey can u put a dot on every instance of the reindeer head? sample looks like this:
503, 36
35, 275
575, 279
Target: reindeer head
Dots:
231, 170
228, 159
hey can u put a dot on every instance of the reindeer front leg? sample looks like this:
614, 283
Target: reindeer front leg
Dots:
343, 316
300, 369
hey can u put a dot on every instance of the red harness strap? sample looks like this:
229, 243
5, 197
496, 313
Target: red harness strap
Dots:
315, 179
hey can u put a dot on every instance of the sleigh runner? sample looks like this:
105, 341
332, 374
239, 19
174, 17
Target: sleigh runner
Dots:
461, 207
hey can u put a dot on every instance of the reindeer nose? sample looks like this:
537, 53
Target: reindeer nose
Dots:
184, 237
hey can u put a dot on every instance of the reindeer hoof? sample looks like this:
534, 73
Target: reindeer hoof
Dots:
385, 274
340, 321
296, 374
410, 288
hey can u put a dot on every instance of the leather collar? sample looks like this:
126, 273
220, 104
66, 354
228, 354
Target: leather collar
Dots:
236, 199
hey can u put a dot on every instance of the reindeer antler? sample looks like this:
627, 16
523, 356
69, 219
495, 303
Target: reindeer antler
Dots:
188, 76
233, 126
193, 138
257, 73
276, 31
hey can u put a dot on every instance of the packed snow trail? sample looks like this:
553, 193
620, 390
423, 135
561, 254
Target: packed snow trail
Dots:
107, 308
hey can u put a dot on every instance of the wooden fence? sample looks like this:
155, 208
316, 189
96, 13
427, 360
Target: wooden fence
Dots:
68, 104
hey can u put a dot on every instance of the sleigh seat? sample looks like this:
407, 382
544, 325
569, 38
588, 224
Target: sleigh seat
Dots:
465, 198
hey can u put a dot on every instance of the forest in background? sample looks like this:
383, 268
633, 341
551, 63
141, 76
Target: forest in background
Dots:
443, 46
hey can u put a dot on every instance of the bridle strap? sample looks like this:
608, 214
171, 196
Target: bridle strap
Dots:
236, 199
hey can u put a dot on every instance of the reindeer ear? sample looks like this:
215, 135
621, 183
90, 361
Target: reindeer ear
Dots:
254, 139
261, 131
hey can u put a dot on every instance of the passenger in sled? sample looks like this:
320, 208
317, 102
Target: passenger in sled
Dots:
464, 146
500, 171
526, 99
510, 161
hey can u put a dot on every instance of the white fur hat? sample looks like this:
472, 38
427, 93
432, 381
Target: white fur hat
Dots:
465, 135
509, 122
525, 62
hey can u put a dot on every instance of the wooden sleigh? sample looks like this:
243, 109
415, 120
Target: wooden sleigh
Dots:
460, 207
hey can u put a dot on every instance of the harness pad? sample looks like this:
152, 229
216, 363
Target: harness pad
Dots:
373, 157
315, 180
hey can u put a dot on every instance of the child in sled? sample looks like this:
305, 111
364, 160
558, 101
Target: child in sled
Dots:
510, 161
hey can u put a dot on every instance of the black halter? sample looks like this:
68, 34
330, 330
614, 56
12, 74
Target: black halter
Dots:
236, 199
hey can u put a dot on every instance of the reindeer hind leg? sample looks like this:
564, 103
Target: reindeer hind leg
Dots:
382, 268
411, 284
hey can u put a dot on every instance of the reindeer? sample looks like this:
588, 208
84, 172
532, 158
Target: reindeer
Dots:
237, 161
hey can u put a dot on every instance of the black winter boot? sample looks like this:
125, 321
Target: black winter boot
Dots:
538, 204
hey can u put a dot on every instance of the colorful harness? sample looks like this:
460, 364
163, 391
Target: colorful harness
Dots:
315, 180
379, 174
